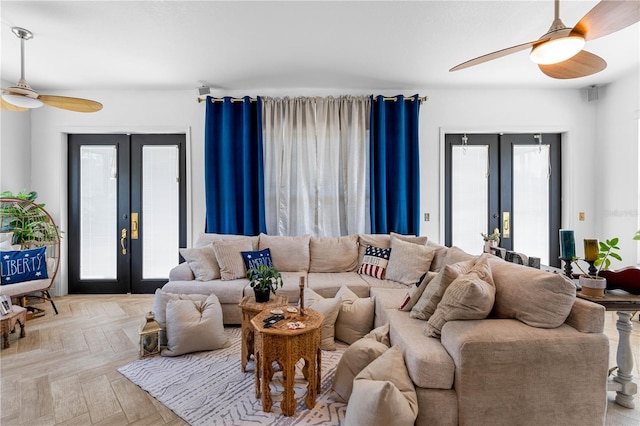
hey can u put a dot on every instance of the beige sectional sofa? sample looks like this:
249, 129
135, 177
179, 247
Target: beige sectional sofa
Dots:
540, 357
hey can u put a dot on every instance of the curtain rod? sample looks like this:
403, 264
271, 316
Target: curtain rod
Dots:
422, 99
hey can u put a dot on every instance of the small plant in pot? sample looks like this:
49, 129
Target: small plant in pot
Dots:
491, 240
264, 280
592, 283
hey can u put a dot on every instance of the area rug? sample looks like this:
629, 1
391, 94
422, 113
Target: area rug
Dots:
208, 388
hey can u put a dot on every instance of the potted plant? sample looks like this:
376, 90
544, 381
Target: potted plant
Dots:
491, 240
264, 280
592, 283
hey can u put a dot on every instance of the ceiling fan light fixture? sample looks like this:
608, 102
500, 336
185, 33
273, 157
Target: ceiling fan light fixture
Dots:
557, 50
22, 101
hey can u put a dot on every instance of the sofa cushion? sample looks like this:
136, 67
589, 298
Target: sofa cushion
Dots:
431, 296
255, 258
202, 261
327, 284
330, 308
439, 256
228, 254
333, 254
383, 393
469, 296
183, 272
204, 239
160, 300
428, 363
355, 318
387, 299
384, 241
537, 298
231, 291
415, 291
194, 326
456, 254
408, 261
381, 334
354, 359
374, 282
289, 254
375, 261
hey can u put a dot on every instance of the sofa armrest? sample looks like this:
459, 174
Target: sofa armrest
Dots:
586, 317
512, 373
182, 272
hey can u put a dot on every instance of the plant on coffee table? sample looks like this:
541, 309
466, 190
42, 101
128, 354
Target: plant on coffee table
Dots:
264, 280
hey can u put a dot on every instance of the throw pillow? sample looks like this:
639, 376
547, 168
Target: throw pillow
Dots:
23, 265
330, 308
160, 301
409, 238
354, 359
252, 259
456, 254
333, 254
289, 254
413, 295
375, 262
6, 236
230, 259
355, 318
426, 305
383, 393
194, 326
469, 296
408, 261
381, 334
203, 262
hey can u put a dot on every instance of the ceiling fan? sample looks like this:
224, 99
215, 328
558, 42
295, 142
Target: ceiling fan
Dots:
559, 53
22, 97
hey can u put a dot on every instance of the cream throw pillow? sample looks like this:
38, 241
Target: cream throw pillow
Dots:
333, 254
355, 318
469, 297
160, 301
289, 254
383, 393
355, 358
229, 257
431, 296
408, 261
203, 262
194, 326
413, 295
381, 334
330, 308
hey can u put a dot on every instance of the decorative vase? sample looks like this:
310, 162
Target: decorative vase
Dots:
262, 296
592, 287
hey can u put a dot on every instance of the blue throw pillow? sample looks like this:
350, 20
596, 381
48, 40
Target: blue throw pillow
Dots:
254, 258
23, 265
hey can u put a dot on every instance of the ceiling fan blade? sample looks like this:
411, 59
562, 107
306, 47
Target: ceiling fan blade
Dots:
71, 104
497, 54
10, 107
607, 17
581, 65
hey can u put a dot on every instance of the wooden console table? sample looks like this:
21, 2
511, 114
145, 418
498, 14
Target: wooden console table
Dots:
286, 347
625, 305
250, 308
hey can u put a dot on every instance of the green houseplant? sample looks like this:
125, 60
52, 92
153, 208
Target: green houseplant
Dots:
27, 220
491, 240
592, 283
264, 280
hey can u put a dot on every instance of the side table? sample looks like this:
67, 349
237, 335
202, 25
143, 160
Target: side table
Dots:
625, 305
8, 323
251, 308
284, 346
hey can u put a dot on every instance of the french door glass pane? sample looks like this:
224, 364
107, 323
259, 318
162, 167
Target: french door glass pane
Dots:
531, 200
470, 195
160, 210
98, 212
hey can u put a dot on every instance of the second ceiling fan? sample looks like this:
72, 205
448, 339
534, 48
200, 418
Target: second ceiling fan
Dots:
559, 52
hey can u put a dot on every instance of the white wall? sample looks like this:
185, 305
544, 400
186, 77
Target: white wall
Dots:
616, 168
447, 110
15, 150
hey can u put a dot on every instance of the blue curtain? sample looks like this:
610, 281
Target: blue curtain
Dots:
233, 167
395, 166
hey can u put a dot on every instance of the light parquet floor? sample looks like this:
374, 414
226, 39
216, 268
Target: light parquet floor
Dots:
64, 372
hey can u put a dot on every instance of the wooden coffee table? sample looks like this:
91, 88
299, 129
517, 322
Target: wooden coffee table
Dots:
8, 323
286, 347
625, 305
251, 308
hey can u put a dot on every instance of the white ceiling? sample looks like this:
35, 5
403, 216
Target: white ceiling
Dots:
361, 45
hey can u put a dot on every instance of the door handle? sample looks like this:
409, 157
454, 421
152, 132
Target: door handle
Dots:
506, 225
123, 240
134, 226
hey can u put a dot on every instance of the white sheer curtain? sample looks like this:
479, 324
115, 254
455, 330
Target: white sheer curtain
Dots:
316, 165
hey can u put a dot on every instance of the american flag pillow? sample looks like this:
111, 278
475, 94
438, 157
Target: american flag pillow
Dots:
374, 262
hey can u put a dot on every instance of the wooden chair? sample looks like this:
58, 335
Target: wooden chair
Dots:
32, 227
